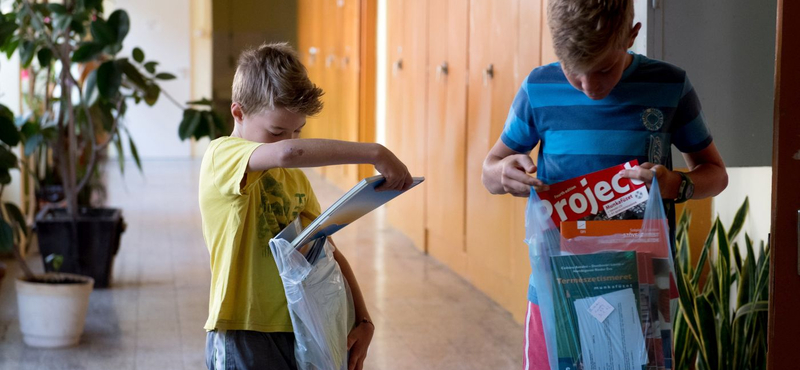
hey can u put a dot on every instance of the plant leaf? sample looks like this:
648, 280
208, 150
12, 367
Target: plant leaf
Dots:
6, 236
151, 94
109, 79
150, 67
5, 176
57, 8
203, 101
45, 56
120, 23
134, 152
102, 32
8, 129
17, 217
138, 55
738, 220
120, 153
8, 159
704, 255
87, 51
6, 31
165, 76
133, 74
26, 52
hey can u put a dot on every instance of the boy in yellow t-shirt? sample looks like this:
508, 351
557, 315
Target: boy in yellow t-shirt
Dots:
250, 189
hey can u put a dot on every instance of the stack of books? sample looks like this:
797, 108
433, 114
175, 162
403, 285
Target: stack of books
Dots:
611, 278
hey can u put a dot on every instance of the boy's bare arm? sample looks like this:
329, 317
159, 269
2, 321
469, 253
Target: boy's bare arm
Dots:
507, 171
358, 340
298, 153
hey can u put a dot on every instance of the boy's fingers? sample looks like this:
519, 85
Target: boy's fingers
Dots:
351, 339
526, 163
523, 177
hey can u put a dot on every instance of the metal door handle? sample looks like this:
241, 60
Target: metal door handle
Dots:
488, 74
442, 69
398, 65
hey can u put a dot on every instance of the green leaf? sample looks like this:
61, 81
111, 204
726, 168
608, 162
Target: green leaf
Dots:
8, 159
738, 220
17, 217
6, 31
191, 118
138, 55
5, 176
55, 260
11, 47
203, 101
704, 313
87, 51
32, 143
102, 32
8, 129
45, 56
150, 67
57, 8
134, 151
6, 236
165, 76
90, 88
120, 153
109, 79
704, 255
151, 94
133, 74
26, 52
113, 49
120, 24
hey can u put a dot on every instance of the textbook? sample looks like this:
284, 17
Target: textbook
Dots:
597, 311
601, 195
357, 202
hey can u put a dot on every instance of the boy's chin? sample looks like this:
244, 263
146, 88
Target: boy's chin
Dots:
596, 96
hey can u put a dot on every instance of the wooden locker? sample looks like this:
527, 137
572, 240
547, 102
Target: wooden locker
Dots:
445, 202
548, 53
407, 136
492, 87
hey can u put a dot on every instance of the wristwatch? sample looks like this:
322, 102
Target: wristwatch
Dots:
686, 188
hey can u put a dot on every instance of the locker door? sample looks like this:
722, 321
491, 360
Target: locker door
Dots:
445, 203
492, 86
407, 139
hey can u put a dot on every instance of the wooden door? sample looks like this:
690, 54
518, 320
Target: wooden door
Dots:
492, 87
407, 137
310, 50
445, 202
548, 53
784, 260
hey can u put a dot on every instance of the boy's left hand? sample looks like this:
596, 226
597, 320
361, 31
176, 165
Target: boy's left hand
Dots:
668, 181
357, 343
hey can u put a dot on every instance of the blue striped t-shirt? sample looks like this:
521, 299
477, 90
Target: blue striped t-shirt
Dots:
653, 107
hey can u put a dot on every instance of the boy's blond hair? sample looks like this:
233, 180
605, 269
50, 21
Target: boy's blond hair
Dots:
584, 30
271, 76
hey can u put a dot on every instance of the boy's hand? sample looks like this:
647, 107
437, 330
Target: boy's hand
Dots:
668, 181
515, 176
357, 343
395, 172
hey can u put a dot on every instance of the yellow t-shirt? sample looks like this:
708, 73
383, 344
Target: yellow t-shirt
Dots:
239, 219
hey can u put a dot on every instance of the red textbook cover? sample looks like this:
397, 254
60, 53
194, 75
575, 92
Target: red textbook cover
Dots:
601, 195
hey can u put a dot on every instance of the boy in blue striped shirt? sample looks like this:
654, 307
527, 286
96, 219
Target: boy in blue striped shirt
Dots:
598, 107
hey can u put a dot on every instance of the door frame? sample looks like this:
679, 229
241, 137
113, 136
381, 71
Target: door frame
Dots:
784, 263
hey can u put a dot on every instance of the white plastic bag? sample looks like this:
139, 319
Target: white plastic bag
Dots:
320, 304
606, 302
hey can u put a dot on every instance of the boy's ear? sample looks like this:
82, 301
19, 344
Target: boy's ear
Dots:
236, 112
634, 33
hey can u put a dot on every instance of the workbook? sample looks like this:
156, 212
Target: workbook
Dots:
357, 202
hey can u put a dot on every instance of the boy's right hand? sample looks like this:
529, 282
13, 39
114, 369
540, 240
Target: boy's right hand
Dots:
516, 178
395, 172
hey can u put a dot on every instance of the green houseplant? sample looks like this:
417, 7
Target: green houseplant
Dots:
84, 90
721, 322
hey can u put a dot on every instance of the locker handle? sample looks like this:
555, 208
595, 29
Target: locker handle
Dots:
329, 60
398, 65
488, 73
442, 69
312, 55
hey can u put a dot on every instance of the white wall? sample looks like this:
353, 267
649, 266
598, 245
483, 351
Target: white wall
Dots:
160, 28
755, 182
380, 91
640, 15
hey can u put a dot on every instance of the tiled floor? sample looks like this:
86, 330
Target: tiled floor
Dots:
426, 316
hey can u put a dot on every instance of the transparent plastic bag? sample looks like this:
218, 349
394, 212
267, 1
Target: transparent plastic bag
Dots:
606, 302
319, 300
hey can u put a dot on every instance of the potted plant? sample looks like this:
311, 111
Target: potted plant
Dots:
85, 89
52, 306
721, 322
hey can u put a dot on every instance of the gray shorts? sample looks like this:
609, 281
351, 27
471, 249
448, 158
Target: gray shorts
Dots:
245, 350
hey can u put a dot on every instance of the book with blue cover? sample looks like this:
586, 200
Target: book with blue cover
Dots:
357, 202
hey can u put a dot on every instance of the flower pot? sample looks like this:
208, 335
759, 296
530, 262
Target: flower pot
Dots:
92, 252
52, 309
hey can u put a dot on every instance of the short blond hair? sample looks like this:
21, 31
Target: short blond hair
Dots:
272, 76
584, 30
